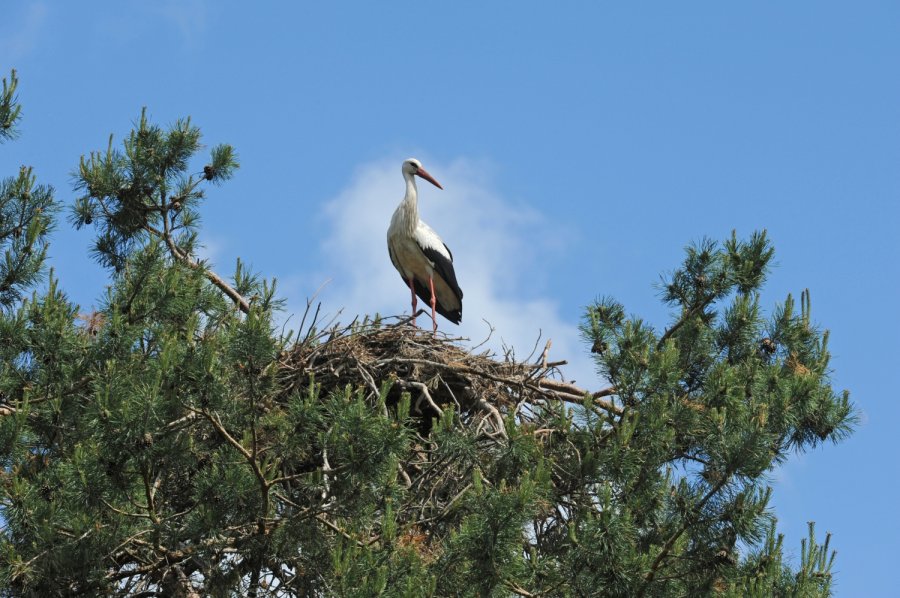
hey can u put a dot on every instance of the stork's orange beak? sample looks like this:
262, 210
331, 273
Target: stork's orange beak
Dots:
424, 174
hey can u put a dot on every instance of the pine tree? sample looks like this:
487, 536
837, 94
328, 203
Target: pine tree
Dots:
177, 443
25, 213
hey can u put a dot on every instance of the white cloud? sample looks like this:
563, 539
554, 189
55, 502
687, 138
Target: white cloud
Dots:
500, 248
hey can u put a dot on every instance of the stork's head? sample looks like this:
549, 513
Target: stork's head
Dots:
412, 166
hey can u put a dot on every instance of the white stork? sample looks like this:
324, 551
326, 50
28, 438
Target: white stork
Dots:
422, 259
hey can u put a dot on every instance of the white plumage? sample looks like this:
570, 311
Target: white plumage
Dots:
423, 260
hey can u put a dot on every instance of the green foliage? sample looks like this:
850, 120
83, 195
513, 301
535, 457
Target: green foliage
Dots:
714, 402
169, 444
146, 190
26, 214
764, 572
26, 218
10, 109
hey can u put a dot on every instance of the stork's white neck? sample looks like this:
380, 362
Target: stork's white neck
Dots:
412, 192
409, 207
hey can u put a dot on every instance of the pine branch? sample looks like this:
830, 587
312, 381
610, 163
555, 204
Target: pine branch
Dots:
186, 259
10, 109
264, 484
670, 543
149, 491
685, 318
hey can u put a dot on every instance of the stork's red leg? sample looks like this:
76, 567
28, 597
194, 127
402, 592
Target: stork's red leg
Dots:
412, 290
433, 304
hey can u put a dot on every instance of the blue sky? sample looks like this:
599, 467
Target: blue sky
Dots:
581, 146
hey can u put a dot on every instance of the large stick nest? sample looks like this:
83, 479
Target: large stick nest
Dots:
434, 369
